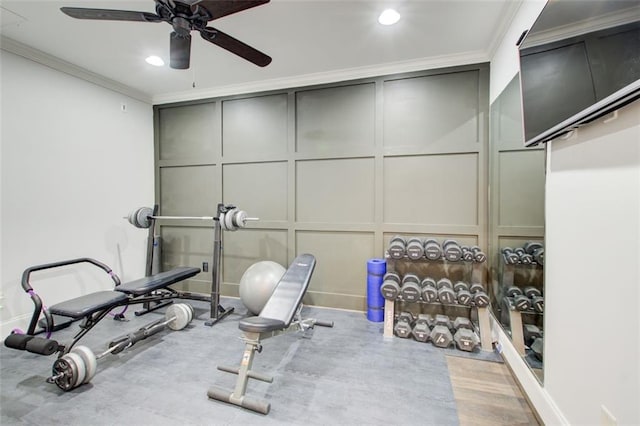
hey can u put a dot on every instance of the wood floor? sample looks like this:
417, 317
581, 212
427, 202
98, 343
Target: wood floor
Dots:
487, 394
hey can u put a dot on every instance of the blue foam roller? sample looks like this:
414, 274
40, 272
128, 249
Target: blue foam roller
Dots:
376, 268
375, 314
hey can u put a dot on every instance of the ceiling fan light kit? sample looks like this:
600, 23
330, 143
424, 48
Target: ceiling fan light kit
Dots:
185, 16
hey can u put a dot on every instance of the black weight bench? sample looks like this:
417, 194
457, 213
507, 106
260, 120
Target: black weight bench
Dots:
281, 314
123, 294
92, 307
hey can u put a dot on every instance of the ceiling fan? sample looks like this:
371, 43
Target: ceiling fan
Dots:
185, 16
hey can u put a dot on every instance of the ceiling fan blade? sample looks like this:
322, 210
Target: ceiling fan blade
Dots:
179, 51
220, 8
235, 46
110, 15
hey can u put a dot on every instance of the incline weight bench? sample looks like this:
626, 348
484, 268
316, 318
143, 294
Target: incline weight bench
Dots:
91, 308
281, 314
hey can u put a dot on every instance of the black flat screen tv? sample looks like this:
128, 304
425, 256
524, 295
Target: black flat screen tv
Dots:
579, 61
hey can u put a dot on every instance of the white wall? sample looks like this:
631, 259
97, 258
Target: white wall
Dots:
592, 342
73, 164
505, 62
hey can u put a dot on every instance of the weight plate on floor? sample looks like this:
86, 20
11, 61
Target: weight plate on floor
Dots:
180, 315
89, 359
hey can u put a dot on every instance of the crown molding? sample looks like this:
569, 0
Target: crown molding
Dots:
586, 26
17, 48
325, 77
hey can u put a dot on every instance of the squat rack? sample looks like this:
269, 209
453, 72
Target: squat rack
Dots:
228, 218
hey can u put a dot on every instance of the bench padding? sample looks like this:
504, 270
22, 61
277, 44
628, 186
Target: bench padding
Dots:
83, 306
281, 307
89, 303
146, 285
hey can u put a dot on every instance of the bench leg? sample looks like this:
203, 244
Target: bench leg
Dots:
244, 372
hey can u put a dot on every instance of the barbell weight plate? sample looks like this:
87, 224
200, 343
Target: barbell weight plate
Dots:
222, 222
180, 315
228, 220
64, 374
89, 359
80, 370
142, 217
192, 312
240, 219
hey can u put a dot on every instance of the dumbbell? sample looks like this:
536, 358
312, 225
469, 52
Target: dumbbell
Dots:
467, 254
414, 249
403, 324
446, 294
478, 255
537, 301
537, 347
421, 328
397, 247
530, 333
510, 257
462, 322
465, 337
520, 301
410, 290
390, 287
538, 256
530, 247
432, 249
443, 320
532, 292
462, 293
79, 365
429, 290
451, 250
441, 334
479, 295
526, 259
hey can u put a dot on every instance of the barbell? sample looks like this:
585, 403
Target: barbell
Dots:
230, 220
78, 366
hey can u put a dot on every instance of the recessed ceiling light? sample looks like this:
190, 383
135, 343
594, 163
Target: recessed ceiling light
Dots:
155, 61
389, 17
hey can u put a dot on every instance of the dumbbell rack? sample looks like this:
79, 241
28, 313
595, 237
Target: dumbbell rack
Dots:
507, 279
474, 270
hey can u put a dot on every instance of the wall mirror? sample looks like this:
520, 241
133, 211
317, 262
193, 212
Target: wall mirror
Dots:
516, 228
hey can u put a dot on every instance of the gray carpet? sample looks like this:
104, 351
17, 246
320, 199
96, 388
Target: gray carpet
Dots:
348, 374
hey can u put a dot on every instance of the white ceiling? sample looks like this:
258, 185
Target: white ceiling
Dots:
310, 41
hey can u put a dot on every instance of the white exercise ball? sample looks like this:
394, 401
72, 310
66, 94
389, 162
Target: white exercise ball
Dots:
258, 282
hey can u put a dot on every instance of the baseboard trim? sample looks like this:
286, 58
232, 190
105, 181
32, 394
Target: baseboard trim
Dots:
541, 402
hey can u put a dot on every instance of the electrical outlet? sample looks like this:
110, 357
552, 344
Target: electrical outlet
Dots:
606, 418
205, 266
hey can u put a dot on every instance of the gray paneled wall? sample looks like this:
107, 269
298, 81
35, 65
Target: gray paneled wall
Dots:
333, 170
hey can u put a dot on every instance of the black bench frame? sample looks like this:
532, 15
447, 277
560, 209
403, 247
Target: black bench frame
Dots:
124, 295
